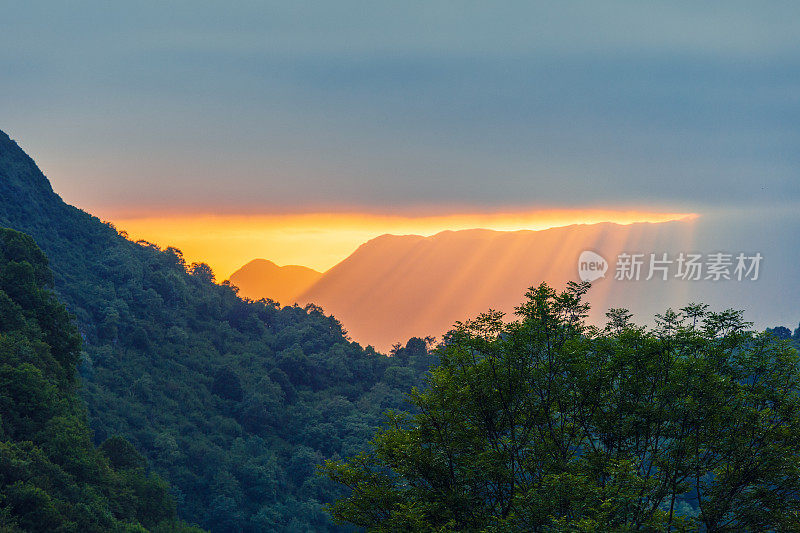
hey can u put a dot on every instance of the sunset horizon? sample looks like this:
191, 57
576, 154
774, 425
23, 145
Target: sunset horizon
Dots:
454, 267
320, 240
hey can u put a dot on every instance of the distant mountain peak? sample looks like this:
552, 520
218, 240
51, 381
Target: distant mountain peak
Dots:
262, 278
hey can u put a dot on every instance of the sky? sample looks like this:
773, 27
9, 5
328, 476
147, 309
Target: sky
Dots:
180, 111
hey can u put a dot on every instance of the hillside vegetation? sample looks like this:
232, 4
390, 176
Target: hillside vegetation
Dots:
234, 402
52, 478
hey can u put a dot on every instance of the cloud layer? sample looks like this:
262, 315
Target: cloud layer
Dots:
257, 107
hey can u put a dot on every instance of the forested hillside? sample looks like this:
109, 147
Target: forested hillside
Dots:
52, 478
233, 402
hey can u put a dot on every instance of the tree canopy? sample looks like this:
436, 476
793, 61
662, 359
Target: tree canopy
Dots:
544, 423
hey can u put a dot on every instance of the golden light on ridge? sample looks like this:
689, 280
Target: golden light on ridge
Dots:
320, 240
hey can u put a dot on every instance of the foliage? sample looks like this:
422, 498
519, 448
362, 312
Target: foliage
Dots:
52, 478
233, 402
545, 424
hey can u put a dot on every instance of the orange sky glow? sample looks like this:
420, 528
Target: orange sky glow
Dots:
320, 240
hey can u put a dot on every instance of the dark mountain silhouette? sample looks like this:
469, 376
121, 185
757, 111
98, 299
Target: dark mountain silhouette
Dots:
261, 278
234, 403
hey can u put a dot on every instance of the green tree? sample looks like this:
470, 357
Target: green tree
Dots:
545, 424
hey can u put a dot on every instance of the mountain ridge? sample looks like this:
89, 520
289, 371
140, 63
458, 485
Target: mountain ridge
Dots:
394, 286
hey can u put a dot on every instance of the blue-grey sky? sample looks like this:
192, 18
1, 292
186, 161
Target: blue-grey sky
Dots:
296, 106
